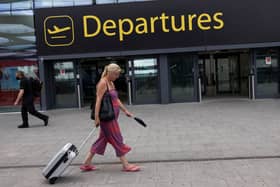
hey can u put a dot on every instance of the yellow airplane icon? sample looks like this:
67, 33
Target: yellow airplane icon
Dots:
58, 30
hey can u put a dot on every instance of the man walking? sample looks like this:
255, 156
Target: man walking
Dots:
26, 93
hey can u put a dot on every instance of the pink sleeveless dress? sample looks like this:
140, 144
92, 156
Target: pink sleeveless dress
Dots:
110, 132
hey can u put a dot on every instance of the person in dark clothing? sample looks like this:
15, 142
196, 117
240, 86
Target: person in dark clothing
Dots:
27, 97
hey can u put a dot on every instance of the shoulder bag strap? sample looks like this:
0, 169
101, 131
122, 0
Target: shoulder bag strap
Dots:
107, 85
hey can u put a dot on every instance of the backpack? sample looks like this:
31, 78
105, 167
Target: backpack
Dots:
36, 86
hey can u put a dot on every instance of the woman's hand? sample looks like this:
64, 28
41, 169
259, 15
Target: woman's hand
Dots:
97, 122
127, 113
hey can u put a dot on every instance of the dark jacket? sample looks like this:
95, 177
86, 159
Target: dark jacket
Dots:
27, 97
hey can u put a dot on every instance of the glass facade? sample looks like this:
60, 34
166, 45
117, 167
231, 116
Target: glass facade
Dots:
116, 1
268, 74
145, 80
17, 49
18, 52
8, 7
90, 71
60, 3
181, 77
64, 3
9, 86
228, 78
65, 84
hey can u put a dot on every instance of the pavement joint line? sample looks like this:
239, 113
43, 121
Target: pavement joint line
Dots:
156, 161
44, 111
14, 113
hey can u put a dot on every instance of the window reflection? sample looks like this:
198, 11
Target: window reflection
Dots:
145, 66
21, 5
83, 2
5, 13
181, 77
22, 13
4, 6
268, 79
17, 37
124, 1
105, 1
4, 40
146, 80
28, 4
64, 84
64, 71
43, 3
9, 85
63, 3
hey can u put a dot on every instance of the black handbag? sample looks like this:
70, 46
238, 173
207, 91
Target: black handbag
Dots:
106, 112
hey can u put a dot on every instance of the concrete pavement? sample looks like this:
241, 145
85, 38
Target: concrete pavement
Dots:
229, 173
231, 132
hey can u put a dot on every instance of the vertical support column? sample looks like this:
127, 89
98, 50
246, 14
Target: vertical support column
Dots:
43, 78
129, 93
129, 81
195, 71
78, 84
252, 76
199, 89
249, 85
79, 91
164, 79
251, 79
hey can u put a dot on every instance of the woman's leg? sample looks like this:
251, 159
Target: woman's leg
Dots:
88, 158
128, 167
124, 162
99, 148
87, 166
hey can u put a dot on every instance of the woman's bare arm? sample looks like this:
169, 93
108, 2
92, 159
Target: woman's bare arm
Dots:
100, 90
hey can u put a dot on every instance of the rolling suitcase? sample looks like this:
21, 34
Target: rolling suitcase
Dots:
62, 160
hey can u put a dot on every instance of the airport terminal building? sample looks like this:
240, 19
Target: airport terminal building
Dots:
169, 51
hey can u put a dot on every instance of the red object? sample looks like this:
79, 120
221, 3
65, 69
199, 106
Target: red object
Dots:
11, 63
87, 167
131, 168
9, 97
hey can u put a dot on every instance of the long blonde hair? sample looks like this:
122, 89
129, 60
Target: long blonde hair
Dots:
111, 68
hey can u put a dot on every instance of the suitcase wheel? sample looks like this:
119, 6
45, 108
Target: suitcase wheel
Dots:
52, 180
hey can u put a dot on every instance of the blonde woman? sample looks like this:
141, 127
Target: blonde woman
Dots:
109, 130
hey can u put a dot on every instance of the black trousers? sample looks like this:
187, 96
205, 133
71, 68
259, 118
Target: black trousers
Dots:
29, 107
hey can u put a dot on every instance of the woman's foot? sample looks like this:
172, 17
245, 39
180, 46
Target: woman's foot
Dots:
86, 167
131, 168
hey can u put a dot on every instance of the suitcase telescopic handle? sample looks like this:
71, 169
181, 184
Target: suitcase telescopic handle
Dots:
86, 139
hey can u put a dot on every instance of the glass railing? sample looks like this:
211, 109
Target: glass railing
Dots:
31, 4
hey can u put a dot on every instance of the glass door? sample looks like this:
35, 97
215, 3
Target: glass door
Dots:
228, 78
145, 80
234, 74
223, 75
91, 71
181, 77
268, 76
89, 77
65, 84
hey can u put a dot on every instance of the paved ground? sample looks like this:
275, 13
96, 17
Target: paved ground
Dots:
231, 142
234, 173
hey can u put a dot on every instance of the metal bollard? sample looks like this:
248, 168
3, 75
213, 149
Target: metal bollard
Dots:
199, 90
